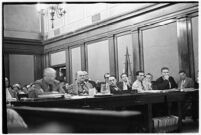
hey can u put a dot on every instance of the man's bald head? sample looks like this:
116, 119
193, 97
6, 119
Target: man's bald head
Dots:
49, 75
80, 76
86, 75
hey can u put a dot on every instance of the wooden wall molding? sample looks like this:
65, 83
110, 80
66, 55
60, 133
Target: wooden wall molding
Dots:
22, 46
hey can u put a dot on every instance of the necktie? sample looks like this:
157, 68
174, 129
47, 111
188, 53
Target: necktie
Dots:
142, 85
50, 87
125, 87
169, 84
182, 84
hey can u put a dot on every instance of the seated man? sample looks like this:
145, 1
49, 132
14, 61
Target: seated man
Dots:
47, 84
113, 85
147, 81
79, 87
10, 94
86, 75
125, 83
106, 82
17, 90
138, 84
165, 81
185, 82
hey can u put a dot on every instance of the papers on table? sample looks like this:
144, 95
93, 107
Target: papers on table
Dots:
188, 89
159, 91
56, 95
77, 97
102, 95
151, 91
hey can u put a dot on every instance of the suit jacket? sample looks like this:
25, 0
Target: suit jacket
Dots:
79, 88
40, 86
164, 84
120, 86
188, 83
93, 83
113, 89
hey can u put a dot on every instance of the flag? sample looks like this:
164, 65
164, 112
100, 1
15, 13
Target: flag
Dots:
128, 69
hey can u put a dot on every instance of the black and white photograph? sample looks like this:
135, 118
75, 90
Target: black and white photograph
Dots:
108, 67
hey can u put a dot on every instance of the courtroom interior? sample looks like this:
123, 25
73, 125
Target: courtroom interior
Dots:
100, 67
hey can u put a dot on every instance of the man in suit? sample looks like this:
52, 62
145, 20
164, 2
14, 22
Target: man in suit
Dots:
165, 81
10, 94
125, 83
113, 84
88, 80
79, 87
185, 82
147, 81
106, 82
138, 84
48, 84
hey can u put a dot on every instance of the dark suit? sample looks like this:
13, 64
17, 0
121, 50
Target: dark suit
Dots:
92, 83
113, 89
164, 84
120, 85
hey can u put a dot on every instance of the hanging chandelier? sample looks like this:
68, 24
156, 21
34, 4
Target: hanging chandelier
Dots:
52, 10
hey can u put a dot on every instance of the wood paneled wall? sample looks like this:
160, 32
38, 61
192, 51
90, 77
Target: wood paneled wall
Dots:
26, 47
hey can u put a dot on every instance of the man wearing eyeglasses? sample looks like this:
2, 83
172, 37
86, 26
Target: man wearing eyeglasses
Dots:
165, 81
79, 87
113, 84
138, 84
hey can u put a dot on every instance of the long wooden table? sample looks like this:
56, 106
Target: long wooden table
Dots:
116, 102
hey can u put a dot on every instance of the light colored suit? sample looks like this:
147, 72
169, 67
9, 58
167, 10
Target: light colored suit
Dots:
187, 83
137, 85
79, 88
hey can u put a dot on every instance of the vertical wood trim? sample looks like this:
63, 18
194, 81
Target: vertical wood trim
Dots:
68, 73
190, 46
182, 36
113, 56
136, 53
86, 57
42, 27
46, 60
6, 66
141, 53
35, 67
38, 67
83, 58
49, 60
70, 67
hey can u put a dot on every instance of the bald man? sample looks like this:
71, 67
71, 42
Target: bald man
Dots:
89, 80
47, 84
79, 87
